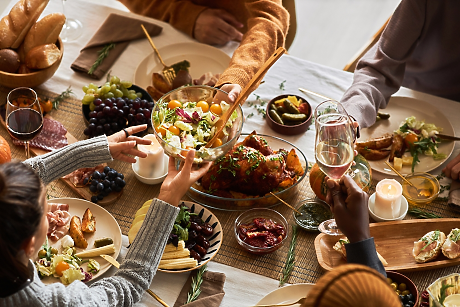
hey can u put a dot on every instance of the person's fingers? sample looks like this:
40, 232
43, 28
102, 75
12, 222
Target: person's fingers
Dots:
454, 174
234, 93
230, 19
448, 169
135, 129
139, 140
123, 146
135, 152
350, 184
229, 31
197, 174
187, 167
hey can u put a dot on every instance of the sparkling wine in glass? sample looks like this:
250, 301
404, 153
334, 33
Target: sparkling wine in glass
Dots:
72, 29
24, 118
334, 151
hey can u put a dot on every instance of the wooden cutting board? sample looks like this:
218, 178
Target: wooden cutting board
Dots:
84, 192
394, 241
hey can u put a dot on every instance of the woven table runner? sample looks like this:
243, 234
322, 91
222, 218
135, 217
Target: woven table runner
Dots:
135, 193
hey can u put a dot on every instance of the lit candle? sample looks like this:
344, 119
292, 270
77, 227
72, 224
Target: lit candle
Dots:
388, 199
153, 165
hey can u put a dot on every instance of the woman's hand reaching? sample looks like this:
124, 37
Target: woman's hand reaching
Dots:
349, 205
178, 182
121, 144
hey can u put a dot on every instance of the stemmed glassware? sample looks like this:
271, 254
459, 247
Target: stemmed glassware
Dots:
72, 28
333, 147
24, 118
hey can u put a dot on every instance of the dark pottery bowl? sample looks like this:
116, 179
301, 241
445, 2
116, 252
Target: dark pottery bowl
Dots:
400, 278
288, 129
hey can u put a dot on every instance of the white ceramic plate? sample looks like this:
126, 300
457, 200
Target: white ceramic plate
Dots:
287, 294
215, 240
399, 109
203, 58
106, 226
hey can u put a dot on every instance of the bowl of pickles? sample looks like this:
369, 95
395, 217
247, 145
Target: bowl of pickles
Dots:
289, 114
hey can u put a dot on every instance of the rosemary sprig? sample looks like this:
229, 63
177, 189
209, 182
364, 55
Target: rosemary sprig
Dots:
102, 54
282, 85
422, 214
196, 284
290, 261
443, 294
65, 94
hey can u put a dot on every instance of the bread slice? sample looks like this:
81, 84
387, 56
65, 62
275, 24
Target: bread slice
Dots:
340, 247
429, 246
43, 56
451, 247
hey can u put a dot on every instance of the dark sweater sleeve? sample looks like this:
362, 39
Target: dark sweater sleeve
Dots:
380, 72
364, 252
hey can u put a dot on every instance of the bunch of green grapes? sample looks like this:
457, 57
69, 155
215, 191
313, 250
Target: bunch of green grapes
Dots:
113, 89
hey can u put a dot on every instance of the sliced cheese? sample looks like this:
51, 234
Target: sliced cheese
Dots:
177, 254
137, 219
108, 249
133, 231
182, 263
171, 248
141, 211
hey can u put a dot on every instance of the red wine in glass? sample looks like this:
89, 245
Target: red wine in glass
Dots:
24, 124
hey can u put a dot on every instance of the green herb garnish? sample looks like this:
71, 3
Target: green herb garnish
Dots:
290, 261
282, 85
65, 94
102, 54
422, 214
455, 236
195, 290
183, 65
428, 241
443, 293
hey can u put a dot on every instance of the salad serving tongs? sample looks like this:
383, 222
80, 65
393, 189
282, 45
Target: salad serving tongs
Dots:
220, 124
116, 264
168, 71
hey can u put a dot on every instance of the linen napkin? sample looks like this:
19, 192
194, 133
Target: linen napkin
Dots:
454, 194
212, 291
116, 29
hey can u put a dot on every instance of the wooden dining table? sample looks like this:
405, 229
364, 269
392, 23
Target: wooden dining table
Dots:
249, 277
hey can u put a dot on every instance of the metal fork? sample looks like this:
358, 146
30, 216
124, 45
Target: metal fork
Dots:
168, 71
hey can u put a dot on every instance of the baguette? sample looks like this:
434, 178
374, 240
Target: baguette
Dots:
45, 31
42, 57
429, 246
15, 25
76, 233
451, 247
88, 223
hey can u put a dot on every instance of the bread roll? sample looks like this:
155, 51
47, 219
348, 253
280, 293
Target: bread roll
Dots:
43, 56
23, 69
15, 25
451, 247
429, 246
45, 31
9, 60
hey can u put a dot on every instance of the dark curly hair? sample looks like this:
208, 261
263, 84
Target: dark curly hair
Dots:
21, 213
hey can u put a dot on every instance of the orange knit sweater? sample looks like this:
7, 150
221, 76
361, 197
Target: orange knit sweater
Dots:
266, 24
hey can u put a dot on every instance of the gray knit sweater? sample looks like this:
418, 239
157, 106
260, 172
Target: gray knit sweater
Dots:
419, 49
137, 270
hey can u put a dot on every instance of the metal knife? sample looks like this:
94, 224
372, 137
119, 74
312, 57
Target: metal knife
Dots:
116, 264
448, 137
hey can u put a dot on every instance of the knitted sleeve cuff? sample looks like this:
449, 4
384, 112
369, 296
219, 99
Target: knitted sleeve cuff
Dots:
364, 252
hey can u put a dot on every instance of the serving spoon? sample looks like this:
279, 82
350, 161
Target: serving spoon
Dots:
420, 192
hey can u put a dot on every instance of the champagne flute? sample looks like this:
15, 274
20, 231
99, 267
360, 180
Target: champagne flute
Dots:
72, 28
24, 118
333, 147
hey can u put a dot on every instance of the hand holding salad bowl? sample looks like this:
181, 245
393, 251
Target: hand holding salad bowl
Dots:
186, 118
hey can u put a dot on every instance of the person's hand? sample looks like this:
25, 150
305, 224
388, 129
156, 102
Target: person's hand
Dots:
233, 91
349, 205
120, 145
178, 182
452, 170
217, 27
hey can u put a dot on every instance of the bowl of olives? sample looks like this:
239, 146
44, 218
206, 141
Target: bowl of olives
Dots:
404, 287
289, 114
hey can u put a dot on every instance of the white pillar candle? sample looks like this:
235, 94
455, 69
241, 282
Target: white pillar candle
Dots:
388, 199
153, 165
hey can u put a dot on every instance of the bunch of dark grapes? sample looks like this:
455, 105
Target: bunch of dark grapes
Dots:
104, 183
113, 114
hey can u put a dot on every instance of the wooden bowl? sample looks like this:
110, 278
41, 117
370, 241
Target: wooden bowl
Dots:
13, 80
287, 129
400, 278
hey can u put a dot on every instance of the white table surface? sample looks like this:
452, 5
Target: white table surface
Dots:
242, 288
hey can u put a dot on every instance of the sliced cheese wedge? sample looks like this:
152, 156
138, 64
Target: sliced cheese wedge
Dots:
108, 249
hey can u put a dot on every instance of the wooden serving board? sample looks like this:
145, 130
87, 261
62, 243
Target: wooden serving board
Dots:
84, 192
394, 241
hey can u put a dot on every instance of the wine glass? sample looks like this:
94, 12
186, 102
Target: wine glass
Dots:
72, 28
24, 118
333, 147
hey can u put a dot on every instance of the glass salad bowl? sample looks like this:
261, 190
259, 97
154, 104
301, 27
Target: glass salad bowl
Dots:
235, 201
184, 119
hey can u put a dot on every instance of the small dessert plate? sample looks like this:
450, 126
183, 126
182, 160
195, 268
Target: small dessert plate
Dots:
153, 180
403, 211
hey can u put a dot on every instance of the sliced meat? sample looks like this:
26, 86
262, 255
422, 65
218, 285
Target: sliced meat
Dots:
52, 136
421, 244
54, 207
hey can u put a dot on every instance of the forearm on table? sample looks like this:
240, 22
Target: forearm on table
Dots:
60, 162
268, 24
364, 252
143, 257
179, 14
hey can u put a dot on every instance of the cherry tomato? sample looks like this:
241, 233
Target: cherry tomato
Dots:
161, 130
203, 105
46, 106
174, 104
174, 130
217, 143
61, 267
216, 109
410, 139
